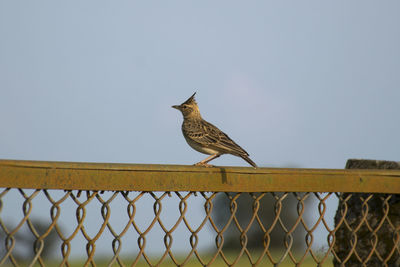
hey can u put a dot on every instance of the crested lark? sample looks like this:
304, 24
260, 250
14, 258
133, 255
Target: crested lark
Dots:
205, 137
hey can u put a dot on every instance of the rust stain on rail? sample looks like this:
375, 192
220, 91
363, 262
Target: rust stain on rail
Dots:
153, 177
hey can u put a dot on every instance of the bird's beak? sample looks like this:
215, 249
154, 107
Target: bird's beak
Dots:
176, 106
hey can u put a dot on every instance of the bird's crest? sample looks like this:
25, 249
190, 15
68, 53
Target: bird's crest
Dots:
190, 100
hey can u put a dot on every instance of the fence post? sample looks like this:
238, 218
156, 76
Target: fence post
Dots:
367, 236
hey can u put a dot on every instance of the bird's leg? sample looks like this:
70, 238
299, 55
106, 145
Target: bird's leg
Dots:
208, 159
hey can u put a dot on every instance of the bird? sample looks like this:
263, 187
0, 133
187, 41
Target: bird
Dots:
205, 137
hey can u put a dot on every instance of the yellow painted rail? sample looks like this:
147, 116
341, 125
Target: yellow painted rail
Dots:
150, 177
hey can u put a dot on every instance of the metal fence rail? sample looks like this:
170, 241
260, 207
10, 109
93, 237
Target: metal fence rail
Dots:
243, 217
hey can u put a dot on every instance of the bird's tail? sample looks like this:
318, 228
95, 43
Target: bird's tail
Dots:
246, 158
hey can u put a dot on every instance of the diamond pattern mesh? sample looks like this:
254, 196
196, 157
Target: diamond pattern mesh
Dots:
57, 228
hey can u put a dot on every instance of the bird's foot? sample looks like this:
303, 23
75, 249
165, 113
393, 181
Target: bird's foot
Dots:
202, 164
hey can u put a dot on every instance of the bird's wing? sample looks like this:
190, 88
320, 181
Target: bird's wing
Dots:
209, 135
199, 134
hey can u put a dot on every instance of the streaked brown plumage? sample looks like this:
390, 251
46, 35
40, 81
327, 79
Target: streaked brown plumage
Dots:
205, 137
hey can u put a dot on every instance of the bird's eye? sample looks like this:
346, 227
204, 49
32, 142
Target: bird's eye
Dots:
184, 107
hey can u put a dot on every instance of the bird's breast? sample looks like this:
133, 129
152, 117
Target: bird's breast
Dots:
200, 148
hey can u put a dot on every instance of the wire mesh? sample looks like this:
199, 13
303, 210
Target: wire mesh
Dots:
125, 228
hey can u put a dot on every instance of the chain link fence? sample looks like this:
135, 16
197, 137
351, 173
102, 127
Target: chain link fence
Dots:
56, 227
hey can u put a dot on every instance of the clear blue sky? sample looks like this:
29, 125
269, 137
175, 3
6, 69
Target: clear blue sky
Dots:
306, 83
309, 83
